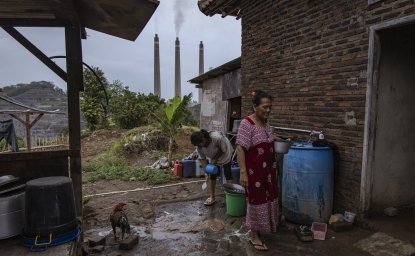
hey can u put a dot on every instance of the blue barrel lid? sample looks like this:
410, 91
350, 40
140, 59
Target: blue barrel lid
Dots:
305, 145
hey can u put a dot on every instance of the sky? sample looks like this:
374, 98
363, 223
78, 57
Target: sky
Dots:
132, 62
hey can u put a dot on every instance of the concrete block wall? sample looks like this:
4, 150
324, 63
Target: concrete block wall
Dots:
213, 110
312, 57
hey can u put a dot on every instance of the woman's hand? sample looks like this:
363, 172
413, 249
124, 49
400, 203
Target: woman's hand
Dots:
243, 179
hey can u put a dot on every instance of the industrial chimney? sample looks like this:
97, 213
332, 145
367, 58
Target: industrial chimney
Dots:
157, 86
177, 80
201, 68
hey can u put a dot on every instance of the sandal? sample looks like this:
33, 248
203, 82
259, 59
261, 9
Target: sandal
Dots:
210, 201
259, 247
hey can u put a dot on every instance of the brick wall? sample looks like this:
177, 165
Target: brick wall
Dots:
312, 57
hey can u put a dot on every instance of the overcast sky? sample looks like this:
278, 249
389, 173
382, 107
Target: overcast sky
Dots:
132, 62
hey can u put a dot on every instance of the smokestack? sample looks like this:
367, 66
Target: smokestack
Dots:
157, 86
201, 68
177, 84
201, 59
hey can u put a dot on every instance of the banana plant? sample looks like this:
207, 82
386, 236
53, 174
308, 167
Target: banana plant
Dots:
171, 118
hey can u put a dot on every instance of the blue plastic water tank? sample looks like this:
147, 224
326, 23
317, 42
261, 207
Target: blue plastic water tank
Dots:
189, 168
307, 183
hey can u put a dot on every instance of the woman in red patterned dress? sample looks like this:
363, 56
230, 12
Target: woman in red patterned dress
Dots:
258, 167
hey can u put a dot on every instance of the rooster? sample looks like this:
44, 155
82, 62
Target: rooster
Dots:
118, 218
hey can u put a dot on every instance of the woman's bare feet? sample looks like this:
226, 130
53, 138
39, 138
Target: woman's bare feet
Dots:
256, 242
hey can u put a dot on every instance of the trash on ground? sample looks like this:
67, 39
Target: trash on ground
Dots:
162, 163
349, 216
341, 226
319, 230
304, 233
391, 211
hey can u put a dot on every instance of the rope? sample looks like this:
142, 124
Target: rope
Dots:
141, 189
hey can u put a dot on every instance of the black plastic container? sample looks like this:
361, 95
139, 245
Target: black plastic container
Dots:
50, 207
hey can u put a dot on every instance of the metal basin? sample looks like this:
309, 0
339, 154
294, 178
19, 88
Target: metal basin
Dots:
12, 215
234, 188
7, 179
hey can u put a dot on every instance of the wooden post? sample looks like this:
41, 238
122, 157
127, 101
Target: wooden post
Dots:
28, 137
75, 82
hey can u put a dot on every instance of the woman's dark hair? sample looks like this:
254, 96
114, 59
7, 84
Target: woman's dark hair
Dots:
257, 95
197, 137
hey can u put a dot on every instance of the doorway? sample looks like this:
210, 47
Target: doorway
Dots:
234, 111
388, 170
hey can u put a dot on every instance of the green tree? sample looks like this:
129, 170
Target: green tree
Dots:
94, 105
171, 119
126, 108
130, 109
151, 104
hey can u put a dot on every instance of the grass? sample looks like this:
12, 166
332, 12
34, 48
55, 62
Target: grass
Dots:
111, 167
117, 148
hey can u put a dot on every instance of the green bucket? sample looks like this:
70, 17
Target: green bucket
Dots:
235, 204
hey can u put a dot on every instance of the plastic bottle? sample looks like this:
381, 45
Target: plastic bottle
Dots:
178, 168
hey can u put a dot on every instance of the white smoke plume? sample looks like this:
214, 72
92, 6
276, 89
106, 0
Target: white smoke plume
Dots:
179, 8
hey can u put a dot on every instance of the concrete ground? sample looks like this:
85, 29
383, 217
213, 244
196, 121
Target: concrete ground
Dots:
189, 228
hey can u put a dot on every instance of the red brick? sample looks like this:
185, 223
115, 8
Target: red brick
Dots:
304, 54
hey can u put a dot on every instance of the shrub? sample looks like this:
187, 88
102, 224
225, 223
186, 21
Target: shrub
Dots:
140, 139
5, 146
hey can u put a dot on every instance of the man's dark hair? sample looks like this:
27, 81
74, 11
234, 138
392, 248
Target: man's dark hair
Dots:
197, 137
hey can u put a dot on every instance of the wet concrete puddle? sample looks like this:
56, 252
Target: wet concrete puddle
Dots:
184, 228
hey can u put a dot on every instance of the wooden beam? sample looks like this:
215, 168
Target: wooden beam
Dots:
28, 135
75, 82
27, 128
28, 125
67, 10
18, 118
23, 22
36, 119
35, 51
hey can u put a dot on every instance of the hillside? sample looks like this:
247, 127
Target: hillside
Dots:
42, 95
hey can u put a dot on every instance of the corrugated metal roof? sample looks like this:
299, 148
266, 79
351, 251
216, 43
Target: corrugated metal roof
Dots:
225, 68
223, 7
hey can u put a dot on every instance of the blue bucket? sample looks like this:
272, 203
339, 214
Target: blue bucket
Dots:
211, 169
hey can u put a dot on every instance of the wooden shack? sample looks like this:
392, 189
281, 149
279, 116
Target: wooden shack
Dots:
124, 19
